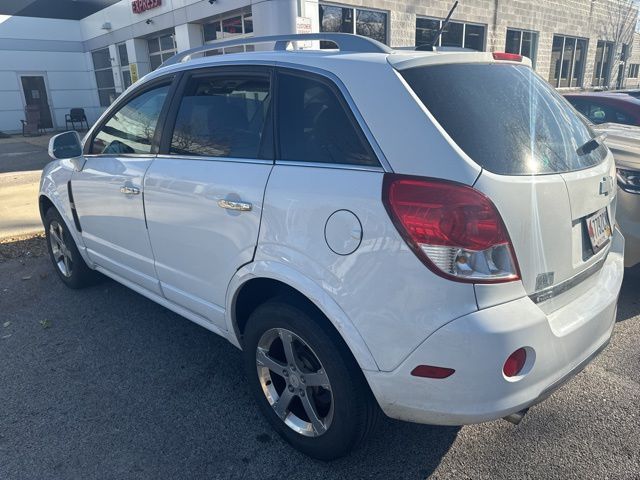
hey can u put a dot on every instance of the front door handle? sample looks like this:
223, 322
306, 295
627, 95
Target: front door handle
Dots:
127, 190
231, 205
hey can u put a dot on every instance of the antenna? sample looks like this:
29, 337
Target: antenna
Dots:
436, 37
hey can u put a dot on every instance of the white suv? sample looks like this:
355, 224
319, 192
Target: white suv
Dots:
428, 233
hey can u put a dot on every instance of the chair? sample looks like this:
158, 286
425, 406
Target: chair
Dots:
31, 124
76, 115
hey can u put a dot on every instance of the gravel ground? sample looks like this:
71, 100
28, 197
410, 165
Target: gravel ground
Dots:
103, 383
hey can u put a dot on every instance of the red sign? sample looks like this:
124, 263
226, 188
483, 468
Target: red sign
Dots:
140, 6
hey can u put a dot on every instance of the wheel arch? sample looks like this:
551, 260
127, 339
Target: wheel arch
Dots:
258, 282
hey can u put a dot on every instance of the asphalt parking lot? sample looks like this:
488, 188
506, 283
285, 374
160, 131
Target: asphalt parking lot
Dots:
103, 383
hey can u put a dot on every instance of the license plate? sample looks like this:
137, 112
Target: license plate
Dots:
599, 229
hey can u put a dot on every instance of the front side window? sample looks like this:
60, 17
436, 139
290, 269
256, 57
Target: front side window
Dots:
455, 34
505, 117
369, 23
315, 126
567, 61
523, 43
131, 128
223, 116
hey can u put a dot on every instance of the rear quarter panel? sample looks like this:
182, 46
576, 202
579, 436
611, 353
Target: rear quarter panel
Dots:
389, 296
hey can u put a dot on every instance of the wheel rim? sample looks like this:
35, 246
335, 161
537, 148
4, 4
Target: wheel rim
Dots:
60, 252
294, 382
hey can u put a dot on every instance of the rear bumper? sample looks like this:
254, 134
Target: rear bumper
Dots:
628, 217
559, 345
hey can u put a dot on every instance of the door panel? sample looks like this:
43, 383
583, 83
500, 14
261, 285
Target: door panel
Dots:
198, 245
108, 192
113, 226
215, 157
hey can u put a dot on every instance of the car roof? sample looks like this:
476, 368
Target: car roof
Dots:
328, 59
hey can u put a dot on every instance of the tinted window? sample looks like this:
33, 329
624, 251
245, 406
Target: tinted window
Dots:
505, 117
314, 125
131, 128
222, 116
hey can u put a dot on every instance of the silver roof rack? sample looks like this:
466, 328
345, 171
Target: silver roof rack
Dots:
345, 42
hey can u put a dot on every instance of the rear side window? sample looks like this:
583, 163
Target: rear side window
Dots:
223, 116
315, 125
505, 117
131, 128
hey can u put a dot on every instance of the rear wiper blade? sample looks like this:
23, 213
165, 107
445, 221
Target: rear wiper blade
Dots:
591, 145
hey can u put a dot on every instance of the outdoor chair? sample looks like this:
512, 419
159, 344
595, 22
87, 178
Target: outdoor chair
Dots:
31, 124
76, 115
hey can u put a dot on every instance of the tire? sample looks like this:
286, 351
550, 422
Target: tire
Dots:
63, 252
345, 409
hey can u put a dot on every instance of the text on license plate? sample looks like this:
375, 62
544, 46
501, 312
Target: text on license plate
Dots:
599, 229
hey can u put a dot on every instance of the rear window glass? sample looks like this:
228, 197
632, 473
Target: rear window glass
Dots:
505, 117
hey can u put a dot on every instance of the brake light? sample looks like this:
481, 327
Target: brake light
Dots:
453, 229
510, 57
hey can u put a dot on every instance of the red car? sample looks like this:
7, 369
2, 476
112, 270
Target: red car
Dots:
601, 107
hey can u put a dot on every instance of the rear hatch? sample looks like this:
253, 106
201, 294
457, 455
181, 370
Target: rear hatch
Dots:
550, 180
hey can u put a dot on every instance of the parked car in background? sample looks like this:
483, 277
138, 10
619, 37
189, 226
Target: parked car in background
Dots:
375, 229
607, 107
624, 143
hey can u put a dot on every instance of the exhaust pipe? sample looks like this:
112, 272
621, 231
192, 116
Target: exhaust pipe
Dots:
516, 417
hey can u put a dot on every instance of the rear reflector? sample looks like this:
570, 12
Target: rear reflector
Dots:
429, 371
514, 363
452, 228
510, 57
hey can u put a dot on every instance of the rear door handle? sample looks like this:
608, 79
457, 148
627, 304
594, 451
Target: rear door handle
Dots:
127, 190
231, 205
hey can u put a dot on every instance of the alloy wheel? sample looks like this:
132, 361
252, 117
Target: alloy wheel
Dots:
61, 254
294, 382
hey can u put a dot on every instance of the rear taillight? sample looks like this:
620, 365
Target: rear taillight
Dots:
455, 230
509, 57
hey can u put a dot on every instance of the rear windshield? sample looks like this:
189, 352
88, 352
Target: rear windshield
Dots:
505, 117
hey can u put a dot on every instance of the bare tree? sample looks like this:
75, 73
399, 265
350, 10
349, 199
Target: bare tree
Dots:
622, 18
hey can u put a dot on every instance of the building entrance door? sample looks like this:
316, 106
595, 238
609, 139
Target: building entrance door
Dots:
35, 93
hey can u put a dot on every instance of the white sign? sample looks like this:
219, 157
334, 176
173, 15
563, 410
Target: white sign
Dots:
303, 25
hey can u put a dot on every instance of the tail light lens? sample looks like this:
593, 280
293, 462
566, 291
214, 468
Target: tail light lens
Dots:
454, 230
509, 57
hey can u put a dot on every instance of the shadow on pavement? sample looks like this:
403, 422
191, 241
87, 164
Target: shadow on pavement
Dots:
22, 156
103, 382
629, 301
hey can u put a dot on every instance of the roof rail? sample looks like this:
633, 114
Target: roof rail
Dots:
346, 42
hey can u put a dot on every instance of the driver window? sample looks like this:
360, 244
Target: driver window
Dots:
131, 128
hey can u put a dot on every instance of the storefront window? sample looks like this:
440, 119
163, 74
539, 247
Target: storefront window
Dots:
104, 76
602, 68
567, 61
236, 26
125, 72
523, 43
369, 23
161, 49
455, 34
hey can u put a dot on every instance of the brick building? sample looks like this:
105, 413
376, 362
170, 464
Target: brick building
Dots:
60, 56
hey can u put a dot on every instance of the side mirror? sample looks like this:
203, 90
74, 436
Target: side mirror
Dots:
65, 145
